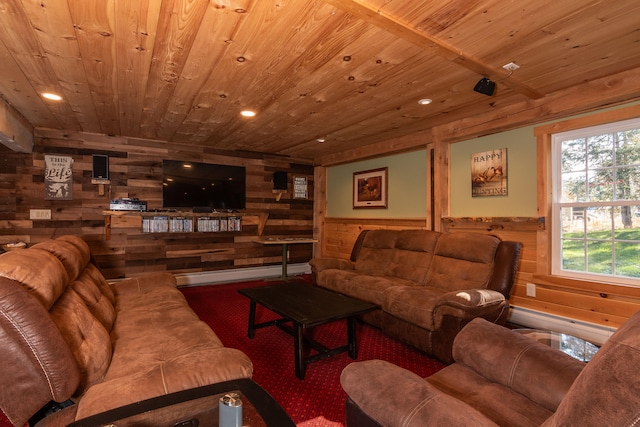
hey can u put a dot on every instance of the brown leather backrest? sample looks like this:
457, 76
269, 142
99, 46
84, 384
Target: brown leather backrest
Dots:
607, 391
405, 254
56, 311
37, 364
463, 261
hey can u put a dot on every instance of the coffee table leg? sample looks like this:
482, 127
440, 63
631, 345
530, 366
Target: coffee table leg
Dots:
252, 319
299, 350
351, 337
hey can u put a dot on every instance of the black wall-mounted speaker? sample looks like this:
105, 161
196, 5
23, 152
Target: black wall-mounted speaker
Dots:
280, 180
485, 86
100, 166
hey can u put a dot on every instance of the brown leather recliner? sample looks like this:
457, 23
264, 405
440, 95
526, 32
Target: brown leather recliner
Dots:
503, 378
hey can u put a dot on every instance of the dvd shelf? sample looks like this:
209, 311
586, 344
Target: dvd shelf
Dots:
182, 222
166, 224
215, 224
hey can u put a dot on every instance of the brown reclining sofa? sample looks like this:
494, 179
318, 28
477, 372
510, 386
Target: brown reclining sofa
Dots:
428, 284
68, 336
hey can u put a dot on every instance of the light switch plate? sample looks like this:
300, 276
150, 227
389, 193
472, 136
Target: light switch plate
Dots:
40, 214
531, 290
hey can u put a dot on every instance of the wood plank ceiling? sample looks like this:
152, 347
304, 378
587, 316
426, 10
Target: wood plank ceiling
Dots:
348, 71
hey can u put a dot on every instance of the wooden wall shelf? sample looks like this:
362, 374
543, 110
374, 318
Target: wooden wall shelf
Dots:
133, 219
494, 223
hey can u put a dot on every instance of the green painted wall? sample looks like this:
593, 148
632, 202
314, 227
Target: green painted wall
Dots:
407, 179
407, 187
521, 174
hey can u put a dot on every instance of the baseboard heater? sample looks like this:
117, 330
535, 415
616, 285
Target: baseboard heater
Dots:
591, 332
240, 274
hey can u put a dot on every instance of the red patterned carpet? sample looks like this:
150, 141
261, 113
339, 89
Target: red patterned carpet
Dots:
318, 400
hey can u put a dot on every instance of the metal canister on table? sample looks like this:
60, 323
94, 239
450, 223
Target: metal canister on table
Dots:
230, 408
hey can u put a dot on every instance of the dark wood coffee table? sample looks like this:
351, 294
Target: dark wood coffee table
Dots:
306, 306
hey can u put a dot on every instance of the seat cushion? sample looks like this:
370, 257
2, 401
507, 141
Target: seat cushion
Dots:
359, 285
497, 402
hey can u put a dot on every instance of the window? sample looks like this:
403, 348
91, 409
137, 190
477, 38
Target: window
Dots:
596, 203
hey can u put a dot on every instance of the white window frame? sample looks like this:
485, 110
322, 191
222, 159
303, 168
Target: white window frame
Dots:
557, 204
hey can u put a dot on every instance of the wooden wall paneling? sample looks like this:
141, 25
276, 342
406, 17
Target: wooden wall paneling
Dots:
341, 233
136, 171
320, 211
441, 184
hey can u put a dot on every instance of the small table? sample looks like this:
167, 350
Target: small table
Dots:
306, 306
285, 242
573, 346
195, 407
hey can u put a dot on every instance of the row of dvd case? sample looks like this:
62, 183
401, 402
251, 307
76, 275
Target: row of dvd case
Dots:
166, 224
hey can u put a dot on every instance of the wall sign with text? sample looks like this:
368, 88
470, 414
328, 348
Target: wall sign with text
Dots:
58, 177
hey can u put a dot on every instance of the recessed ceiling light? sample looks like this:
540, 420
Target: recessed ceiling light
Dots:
51, 96
425, 101
248, 113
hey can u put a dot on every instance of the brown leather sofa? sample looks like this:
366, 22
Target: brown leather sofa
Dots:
428, 284
66, 335
503, 378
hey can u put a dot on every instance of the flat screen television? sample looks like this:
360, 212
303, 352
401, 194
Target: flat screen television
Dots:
202, 186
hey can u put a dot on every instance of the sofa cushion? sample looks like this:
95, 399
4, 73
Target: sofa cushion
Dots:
396, 397
405, 254
144, 348
87, 338
497, 402
373, 289
154, 316
336, 280
73, 257
98, 304
176, 371
414, 304
357, 285
462, 261
40, 272
511, 359
93, 272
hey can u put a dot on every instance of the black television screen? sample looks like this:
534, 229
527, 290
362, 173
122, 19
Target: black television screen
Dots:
202, 186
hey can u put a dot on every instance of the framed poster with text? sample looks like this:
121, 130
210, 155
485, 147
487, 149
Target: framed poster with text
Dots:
489, 173
58, 177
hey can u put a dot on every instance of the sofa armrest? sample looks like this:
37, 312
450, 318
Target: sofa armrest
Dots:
512, 359
321, 264
393, 396
467, 304
471, 298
